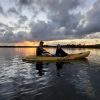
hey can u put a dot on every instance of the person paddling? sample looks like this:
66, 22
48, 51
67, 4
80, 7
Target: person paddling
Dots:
40, 51
60, 52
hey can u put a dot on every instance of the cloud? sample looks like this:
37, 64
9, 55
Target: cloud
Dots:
10, 37
13, 11
1, 10
22, 19
25, 2
4, 28
7, 35
22, 36
57, 19
90, 23
95, 35
19, 20
58, 14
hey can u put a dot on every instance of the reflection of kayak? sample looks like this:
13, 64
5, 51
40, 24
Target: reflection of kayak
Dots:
56, 59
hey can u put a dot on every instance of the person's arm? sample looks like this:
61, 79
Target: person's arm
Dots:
44, 51
63, 53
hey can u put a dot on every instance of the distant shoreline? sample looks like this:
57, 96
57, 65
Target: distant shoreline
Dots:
18, 46
63, 46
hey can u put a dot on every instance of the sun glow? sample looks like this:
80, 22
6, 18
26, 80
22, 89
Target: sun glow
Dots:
27, 43
26, 51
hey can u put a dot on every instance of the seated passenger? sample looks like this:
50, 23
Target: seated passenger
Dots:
60, 52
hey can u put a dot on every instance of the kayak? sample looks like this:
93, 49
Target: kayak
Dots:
56, 59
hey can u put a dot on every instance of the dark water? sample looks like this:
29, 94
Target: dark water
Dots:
77, 80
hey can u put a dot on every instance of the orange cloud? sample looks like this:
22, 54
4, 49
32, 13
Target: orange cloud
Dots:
27, 43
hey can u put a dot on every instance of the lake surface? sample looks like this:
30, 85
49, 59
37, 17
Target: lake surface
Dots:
76, 80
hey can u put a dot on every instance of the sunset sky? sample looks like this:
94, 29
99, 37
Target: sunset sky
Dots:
35, 20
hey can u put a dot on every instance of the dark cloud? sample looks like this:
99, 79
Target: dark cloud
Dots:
3, 25
22, 19
9, 37
41, 30
7, 34
49, 31
13, 11
91, 21
94, 18
61, 24
5, 28
25, 2
1, 10
22, 36
2, 30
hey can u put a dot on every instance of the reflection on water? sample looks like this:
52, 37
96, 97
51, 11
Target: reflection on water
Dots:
39, 67
26, 51
59, 66
82, 79
79, 80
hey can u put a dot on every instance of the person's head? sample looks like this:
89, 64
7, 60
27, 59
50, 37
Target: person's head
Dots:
41, 43
58, 46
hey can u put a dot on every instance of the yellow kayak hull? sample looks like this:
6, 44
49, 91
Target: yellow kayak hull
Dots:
56, 59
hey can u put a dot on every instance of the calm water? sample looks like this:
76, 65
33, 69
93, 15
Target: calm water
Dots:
77, 80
